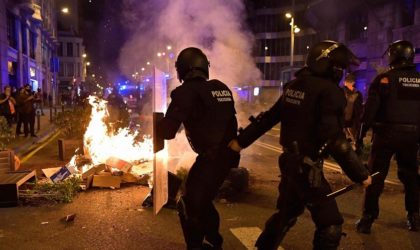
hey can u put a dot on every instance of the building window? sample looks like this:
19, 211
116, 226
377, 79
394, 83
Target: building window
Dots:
11, 30
77, 50
61, 69
272, 71
408, 12
70, 69
60, 49
32, 44
357, 26
69, 49
78, 69
11, 70
24, 39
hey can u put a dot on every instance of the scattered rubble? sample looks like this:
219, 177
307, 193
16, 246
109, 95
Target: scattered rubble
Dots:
69, 218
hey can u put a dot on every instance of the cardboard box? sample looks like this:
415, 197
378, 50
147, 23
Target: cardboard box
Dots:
119, 164
94, 170
61, 174
129, 178
48, 172
106, 181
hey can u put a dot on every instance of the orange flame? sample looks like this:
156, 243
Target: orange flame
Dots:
100, 145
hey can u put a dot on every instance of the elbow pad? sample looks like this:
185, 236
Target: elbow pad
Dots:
341, 150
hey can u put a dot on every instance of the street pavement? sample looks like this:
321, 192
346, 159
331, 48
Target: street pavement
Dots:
44, 129
114, 219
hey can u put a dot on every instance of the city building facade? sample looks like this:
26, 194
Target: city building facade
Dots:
28, 38
70, 51
273, 33
366, 26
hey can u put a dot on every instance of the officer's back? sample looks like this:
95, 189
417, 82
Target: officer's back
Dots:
400, 95
306, 100
211, 121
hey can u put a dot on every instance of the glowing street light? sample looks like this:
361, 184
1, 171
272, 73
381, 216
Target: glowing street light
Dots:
143, 69
293, 29
84, 55
88, 64
65, 10
159, 54
148, 63
169, 47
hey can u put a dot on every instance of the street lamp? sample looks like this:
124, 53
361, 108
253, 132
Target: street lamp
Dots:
84, 55
293, 29
88, 64
65, 10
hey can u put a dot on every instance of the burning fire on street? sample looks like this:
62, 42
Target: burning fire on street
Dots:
117, 152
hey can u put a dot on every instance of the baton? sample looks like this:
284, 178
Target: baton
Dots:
339, 192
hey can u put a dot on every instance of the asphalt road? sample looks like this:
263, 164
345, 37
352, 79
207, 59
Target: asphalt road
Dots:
114, 219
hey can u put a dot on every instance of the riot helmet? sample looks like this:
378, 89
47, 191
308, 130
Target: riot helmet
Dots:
400, 53
329, 59
191, 59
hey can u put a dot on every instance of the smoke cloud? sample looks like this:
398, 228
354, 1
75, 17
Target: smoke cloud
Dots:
218, 27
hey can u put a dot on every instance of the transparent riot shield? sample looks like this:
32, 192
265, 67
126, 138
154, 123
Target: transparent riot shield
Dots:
160, 160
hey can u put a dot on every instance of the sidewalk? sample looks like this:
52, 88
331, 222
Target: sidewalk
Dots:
22, 145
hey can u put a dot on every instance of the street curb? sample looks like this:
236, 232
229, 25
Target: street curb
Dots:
29, 146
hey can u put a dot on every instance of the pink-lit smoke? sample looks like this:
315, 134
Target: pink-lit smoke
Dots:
217, 26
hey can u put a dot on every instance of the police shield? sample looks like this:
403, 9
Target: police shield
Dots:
160, 159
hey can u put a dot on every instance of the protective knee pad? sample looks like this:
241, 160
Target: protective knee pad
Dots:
327, 238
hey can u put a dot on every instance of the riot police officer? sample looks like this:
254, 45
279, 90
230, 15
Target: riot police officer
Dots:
206, 109
311, 115
393, 110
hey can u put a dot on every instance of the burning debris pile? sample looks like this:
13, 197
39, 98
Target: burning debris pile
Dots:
108, 158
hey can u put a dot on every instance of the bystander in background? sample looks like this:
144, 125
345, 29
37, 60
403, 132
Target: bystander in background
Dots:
7, 105
353, 109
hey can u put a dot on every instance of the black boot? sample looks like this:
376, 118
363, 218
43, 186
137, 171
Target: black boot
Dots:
365, 223
327, 238
413, 221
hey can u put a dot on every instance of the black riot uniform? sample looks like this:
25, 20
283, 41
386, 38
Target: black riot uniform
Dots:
393, 110
311, 115
206, 109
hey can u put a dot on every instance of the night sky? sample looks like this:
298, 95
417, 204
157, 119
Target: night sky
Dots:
103, 34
